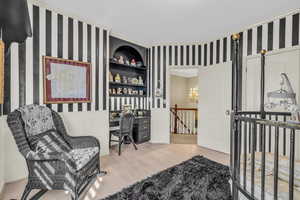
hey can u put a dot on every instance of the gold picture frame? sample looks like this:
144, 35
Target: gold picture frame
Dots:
2, 49
48, 99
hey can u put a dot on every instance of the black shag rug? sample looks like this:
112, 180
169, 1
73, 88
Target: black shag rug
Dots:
196, 179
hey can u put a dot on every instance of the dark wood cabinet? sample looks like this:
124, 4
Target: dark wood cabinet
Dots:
141, 127
142, 130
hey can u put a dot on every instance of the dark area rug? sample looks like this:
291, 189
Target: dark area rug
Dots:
196, 179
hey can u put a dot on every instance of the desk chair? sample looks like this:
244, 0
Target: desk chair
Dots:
124, 130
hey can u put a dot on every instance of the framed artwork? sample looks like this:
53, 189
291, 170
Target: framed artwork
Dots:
66, 81
1, 72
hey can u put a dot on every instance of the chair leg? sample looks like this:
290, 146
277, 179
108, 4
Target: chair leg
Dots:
109, 140
132, 141
120, 144
26, 192
75, 196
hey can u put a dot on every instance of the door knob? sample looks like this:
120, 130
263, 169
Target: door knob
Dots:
227, 112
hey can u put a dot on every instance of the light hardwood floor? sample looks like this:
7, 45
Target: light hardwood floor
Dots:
124, 170
183, 139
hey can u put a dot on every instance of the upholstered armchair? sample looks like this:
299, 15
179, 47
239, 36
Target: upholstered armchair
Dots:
55, 160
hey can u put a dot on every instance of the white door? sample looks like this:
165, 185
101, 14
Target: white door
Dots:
214, 101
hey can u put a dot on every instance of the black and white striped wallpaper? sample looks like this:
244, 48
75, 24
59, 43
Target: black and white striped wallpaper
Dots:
116, 103
274, 35
60, 36
65, 37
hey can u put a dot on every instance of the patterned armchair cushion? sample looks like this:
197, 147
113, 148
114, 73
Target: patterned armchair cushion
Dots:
37, 119
82, 156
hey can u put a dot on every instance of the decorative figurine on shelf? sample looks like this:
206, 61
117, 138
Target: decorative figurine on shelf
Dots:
124, 90
125, 80
119, 91
113, 91
127, 62
111, 77
118, 78
133, 63
134, 81
115, 59
129, 90
121, 60
141, 80
141, 92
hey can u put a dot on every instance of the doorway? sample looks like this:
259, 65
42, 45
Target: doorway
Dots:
183, 105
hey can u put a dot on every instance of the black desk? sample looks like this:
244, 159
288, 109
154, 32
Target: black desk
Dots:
141, 128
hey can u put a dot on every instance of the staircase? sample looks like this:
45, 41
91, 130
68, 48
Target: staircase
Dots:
183, 120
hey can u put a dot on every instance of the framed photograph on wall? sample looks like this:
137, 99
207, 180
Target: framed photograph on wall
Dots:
66, 81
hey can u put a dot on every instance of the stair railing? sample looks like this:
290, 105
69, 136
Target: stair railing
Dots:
183, 120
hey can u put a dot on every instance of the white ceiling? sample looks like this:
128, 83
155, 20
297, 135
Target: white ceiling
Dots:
174, 21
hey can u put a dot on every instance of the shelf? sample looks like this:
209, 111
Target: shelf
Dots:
127, 66
126, 95
127, 84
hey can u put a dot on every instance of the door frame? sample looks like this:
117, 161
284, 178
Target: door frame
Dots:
168, 74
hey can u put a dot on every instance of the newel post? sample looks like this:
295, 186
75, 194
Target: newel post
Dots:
175, 126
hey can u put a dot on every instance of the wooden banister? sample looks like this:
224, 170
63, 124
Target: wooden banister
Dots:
187, 124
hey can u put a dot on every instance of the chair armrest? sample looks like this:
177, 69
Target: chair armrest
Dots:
58, 157
81, 142
36, 156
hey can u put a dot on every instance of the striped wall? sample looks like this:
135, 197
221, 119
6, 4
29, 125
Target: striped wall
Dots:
116, 103
277, 34
59, 36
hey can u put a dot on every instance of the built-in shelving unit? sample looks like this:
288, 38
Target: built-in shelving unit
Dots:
132, 76
129, 75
